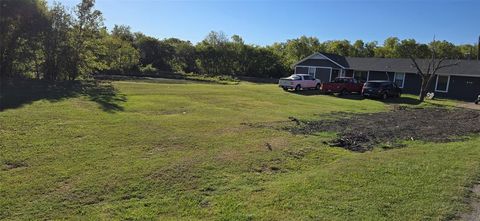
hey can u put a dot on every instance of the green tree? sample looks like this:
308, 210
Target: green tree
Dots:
446, 49
389, 48
295, 49
86, 40
121, 56
21, 24
57, 47
340, 47
358, 49
183, 58
370, 48
215, 55
152, 51
123, 32
409, 47
468, 51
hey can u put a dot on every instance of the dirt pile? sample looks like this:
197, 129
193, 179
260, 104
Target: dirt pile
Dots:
361, 132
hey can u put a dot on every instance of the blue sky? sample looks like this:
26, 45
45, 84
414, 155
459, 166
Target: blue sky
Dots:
264, 22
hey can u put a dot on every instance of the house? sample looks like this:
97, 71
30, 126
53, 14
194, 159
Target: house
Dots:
461, 81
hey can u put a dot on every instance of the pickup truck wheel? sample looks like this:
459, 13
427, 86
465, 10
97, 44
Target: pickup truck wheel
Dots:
285, 89
476, 102
384, 96
298, 87
343, 92
317, 87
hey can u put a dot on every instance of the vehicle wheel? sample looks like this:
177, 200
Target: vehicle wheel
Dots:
476, 102
384, 96
343, 92
317, 87
298, 87
285, 89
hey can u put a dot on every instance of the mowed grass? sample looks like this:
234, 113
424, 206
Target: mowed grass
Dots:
187, 152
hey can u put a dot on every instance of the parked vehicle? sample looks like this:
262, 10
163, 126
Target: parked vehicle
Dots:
342, 85
478, 99
299, 82
381, 89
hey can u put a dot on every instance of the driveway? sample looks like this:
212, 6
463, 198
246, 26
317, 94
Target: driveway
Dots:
469, 105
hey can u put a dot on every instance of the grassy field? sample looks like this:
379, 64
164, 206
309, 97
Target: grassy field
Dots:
176, 151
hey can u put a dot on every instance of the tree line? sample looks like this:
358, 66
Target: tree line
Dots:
55, 43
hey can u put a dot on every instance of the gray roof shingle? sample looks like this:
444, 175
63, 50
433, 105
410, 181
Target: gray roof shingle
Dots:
464, 67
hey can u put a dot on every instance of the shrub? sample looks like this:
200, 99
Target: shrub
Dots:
148, 69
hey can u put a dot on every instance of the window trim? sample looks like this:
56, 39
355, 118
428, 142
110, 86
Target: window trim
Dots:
395, 78
331, 73
367, 72
314, 71
448, 84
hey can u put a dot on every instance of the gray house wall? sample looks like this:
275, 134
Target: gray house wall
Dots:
412, 83
464, 88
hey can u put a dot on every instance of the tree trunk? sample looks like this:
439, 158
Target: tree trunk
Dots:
425, 86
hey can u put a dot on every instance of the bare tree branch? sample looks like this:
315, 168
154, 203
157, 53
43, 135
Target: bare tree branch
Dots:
448, 65
416, 65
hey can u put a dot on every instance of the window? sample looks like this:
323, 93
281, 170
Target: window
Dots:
311, 71
307, 77
301, 70
334, 75
361, 76
442, 83
399, 79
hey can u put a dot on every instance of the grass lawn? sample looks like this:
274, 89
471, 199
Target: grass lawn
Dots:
176, 151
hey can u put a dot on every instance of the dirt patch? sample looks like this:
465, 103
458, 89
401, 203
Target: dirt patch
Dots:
361, 132
9, 165
474, 214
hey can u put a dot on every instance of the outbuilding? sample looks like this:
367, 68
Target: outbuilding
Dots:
461, 81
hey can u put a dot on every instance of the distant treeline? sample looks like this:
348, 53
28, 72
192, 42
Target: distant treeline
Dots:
53, 43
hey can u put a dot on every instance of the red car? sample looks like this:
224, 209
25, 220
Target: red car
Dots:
342, 85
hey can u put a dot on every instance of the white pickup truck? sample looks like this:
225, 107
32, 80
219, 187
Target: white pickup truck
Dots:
299, 82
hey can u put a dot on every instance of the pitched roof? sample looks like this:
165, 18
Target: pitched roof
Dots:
341, 60
336, 59
464, 67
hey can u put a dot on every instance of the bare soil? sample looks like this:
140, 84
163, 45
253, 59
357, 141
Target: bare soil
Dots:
361, 132
474, 202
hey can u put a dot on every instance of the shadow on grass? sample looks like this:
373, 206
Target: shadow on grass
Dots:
15, 94
307, 92
317, 92
401, 100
